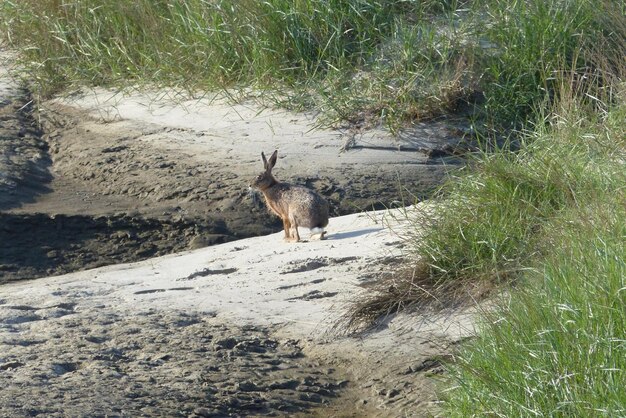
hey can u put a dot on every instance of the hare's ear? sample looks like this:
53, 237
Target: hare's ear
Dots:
264, 160
273, 159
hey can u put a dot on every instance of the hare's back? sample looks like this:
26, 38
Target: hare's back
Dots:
309, 207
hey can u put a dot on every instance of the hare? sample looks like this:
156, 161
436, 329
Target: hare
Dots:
295, 205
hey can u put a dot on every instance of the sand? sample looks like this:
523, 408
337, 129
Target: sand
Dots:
172, 304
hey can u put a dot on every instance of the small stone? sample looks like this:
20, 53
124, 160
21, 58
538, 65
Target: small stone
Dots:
246, 386
201, 241
250, 347
342, 383
206, 412
392, 393
11, 365
310, 397
285, 384
307, 381
225, 343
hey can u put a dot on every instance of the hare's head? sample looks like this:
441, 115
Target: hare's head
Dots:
265, 179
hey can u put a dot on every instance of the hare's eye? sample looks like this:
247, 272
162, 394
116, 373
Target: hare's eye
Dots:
259, 177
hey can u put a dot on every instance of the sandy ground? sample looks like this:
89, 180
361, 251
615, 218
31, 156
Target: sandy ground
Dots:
234, 327
241, 328
105, 177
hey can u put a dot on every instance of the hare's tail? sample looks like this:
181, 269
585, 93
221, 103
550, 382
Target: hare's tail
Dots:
318, 233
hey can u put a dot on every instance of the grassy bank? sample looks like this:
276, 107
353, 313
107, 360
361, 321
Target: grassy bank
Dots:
541, 228
557, 348
555, 345
363, 62
542, 232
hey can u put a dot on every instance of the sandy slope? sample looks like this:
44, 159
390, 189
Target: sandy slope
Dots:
258, 289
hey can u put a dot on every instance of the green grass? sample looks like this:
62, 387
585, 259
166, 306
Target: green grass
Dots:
536, 43
487, 224
362, 62
351, 59
559, 347
551, 220
540, 226
542, 231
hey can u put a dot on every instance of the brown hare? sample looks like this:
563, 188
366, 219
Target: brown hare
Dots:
295, 205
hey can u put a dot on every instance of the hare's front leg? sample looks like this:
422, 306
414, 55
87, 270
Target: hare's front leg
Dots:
287, 228
294, 236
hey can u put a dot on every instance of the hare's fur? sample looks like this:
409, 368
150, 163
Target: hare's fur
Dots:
295, 205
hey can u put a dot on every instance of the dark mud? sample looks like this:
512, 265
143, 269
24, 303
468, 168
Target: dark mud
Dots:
56, 219
39, 244
24, 159
64, 361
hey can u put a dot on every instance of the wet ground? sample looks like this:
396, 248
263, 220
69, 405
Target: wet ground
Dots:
62, 362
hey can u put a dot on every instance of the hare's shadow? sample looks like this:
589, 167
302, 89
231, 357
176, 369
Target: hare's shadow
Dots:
352, 234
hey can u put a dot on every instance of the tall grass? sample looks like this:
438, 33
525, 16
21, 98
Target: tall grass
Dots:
550, 220
534, 42
313, 52
357, 61
559, 347
551, 217
490, 222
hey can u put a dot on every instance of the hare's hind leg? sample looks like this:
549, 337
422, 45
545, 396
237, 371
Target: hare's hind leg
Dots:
317, 234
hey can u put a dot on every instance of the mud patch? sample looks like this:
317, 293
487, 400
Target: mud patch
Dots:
150, 291
291, 286
24, 158
208, 272
315, 294
166, 364
41, 245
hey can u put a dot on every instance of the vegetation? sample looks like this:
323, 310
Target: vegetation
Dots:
556, 345
362, 61
558, 348
541, 219
541, 226
352, 59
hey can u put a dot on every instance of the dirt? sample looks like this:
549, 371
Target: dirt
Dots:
64, 361
83, 203
91, 192
77, 358
79, 191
